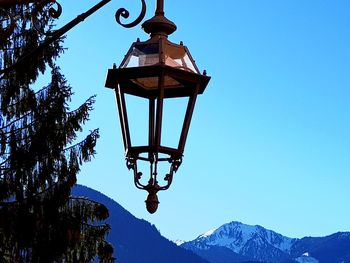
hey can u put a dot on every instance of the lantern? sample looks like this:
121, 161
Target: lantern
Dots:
156, 71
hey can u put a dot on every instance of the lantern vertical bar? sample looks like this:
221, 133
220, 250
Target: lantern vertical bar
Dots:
151, 125
187, 120
124, 124
159, 113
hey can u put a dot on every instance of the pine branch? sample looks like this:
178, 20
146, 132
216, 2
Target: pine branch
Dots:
86, 145
81, 111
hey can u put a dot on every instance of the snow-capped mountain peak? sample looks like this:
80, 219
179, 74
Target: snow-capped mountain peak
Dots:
236, 235
237, 242
243, 239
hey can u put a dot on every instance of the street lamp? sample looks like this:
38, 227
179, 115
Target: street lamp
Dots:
156, 70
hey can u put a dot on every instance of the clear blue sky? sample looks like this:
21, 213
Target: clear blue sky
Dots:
269, 143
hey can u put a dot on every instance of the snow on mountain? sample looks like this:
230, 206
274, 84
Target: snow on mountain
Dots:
250, 242
236, 236
236, 242
305, 258
179, 242
208, 233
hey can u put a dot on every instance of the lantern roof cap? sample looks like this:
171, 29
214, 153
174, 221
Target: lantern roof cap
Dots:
156, 51
159, 25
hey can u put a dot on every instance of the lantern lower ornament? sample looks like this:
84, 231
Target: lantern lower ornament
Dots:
153, 186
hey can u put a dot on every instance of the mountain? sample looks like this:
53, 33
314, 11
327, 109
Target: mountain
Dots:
236, 242
330, 249
136, 240
246, 242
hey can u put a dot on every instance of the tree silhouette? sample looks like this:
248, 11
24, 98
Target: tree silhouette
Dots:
39, 155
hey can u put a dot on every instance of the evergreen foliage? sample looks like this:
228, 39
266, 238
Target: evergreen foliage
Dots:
39, 157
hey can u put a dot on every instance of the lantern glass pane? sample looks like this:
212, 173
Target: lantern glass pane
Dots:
142, 55
137, 111
174, 111
176, 56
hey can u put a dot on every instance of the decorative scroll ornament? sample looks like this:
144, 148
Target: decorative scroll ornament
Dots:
153, 187
122, 12
45, 10
51, 9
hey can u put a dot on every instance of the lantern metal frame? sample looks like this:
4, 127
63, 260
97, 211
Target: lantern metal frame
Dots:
156, 82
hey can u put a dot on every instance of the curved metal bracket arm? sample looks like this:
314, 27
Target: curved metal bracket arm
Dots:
131, 163
137, 177
175, 164
52, 36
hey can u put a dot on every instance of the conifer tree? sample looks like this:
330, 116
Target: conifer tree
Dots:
39, 156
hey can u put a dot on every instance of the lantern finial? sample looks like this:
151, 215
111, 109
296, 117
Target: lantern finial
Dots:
152, 202
159, 24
